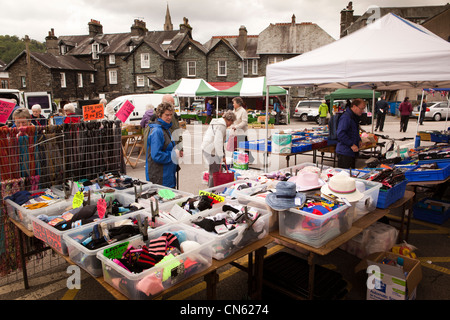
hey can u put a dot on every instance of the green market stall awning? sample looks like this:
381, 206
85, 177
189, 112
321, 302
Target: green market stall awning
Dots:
352, 94
189, 88
252, 87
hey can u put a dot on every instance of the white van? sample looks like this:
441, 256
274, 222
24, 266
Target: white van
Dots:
140, 102
28, 99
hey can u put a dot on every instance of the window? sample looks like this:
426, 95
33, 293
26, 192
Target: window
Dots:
275, 59
245, 71
92, 78
80, 80
63, 80
5, 84
145, 60
254, 66
112, 59
63, 49
112, 76
222, 68
23, 81
191, 68
140, 81
95, 50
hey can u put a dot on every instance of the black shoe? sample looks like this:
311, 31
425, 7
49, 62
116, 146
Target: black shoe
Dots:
381, 131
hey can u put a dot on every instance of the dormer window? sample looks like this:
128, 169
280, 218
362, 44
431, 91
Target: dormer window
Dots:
95, 51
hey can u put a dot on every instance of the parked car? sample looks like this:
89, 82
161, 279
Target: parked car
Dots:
435, 111
307, 110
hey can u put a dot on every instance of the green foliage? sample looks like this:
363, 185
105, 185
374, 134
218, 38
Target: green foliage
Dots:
11, 46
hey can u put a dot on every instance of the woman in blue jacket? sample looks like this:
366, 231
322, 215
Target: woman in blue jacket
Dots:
161, 159
349, 140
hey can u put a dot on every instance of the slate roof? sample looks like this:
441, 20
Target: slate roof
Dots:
56, 61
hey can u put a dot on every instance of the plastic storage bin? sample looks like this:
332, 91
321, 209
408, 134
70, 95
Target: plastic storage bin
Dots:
54, 237
150, 282
314, 230
22, 214
153, 189
222, 193
369, 201
432, 210
86, 258
389, 196
232, 241
442, 173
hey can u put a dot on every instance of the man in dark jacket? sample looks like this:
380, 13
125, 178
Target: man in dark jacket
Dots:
381, 109
349, 140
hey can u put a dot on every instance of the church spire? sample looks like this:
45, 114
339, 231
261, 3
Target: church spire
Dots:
168, 26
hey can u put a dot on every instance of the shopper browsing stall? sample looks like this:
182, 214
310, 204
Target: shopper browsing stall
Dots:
349, 140
36, 117
162, 156
213, 143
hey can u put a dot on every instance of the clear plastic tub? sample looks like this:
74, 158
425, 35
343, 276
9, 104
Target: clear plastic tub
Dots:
221, 193
58, 189
153, 189
54, 237
86, 258
150, 282
314, 230
22, 214
231, 241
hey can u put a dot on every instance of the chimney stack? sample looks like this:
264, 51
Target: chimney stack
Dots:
95, 28
242, 39
138, 28
51, 43
293, 19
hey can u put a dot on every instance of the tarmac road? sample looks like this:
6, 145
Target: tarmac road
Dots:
432, 242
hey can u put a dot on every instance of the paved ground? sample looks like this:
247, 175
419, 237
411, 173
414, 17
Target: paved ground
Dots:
432, 242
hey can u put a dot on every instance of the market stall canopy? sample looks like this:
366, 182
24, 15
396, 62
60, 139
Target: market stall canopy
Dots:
189, 88
390, 53
252, 87
352, 94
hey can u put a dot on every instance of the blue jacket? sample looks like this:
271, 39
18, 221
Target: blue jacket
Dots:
208, 109
348, 133
159, 166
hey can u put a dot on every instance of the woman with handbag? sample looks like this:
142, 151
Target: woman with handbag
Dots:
213, 144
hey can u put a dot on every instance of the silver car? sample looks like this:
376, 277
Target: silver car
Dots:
435, 110
308, 110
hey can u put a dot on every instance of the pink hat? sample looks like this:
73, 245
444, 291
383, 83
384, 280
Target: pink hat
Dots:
307, 180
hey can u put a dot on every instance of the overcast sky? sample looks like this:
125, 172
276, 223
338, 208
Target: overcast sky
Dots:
207, 17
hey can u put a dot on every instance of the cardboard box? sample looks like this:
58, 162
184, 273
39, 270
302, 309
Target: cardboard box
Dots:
390, 282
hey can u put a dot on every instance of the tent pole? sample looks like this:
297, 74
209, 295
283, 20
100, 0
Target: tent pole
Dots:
448, 103
217, 106
418, 118
266, 153
416, 140
373, 109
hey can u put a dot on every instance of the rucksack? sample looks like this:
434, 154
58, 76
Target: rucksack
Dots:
332, 128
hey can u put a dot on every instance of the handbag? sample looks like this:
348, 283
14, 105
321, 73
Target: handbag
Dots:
221, 177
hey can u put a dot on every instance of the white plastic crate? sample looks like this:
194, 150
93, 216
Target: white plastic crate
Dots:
86, 258
232, 241
314, 230
150, 282
54, 237
22, 214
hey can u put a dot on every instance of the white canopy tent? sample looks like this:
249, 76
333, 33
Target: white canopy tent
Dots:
390, 53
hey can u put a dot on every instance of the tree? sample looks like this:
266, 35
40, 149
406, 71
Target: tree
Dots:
11, 46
